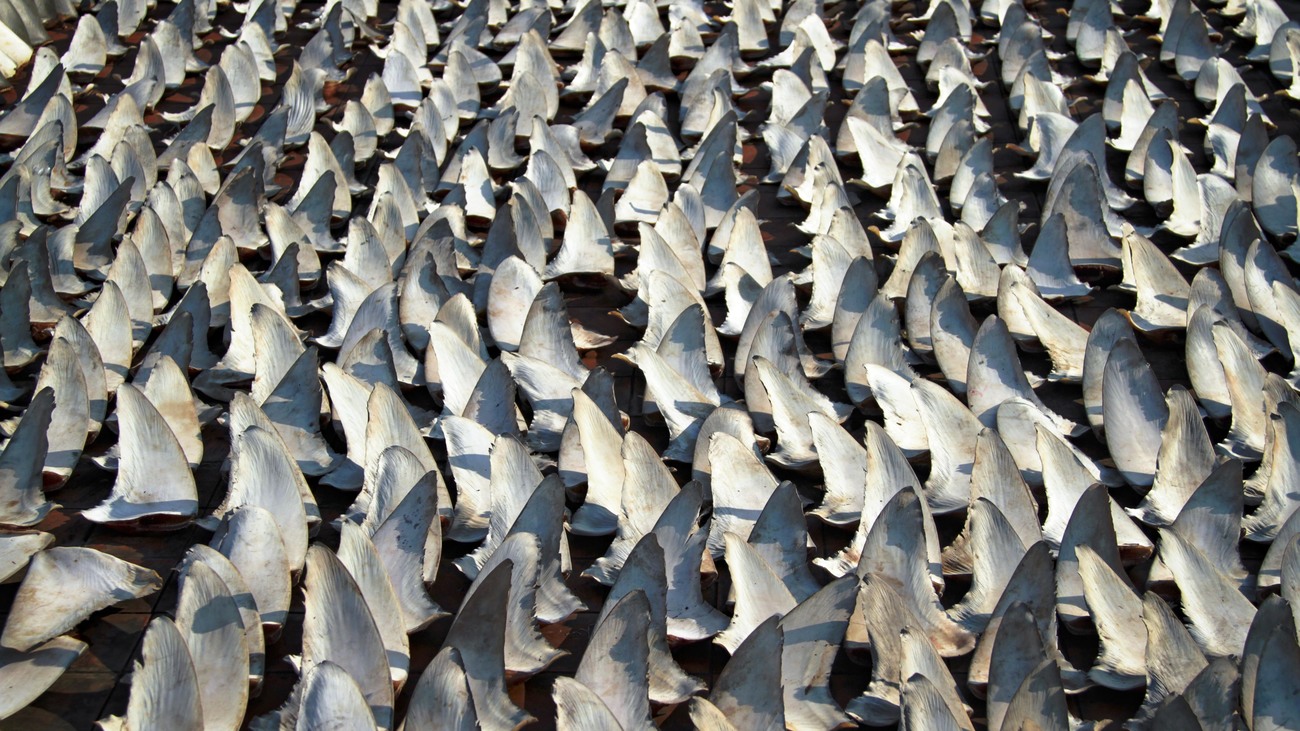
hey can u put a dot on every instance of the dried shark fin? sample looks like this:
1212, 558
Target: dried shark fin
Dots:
887, 472
1211, 520
792, 400
814, 630
21, 462
645, 571
516, 478
442, 696
606, 454
250, 539
1066, 342
1015, 659
361, 558
647, 489
995, 478
844, 470
1133, 407
1245, 382
29, 674
748, 690
952, 432
164, 684
939, 703
1030, 587
64, 586
1109, 329
690, 618
330, 696
1172, 657
952, 333
1162, 292
1204, 369
1219, 616
1185, 459
1040, 701
542, 517
155, 487
894, 550
741, 486
402, 523
922, 707
1066, 480
1116, 611
338, 628
579, 707
251, 620
878, 619
211, 625
759, 592
526, 650
615, 665
263, 474
293, 407
995, 550
1088, 527
70, 419
994, 374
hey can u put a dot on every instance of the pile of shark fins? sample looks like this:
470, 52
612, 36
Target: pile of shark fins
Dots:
351, 241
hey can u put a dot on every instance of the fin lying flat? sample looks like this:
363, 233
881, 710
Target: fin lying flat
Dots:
17, 548
64, 586
26, 675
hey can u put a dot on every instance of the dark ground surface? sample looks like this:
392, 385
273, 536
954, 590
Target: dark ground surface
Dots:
96, 685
